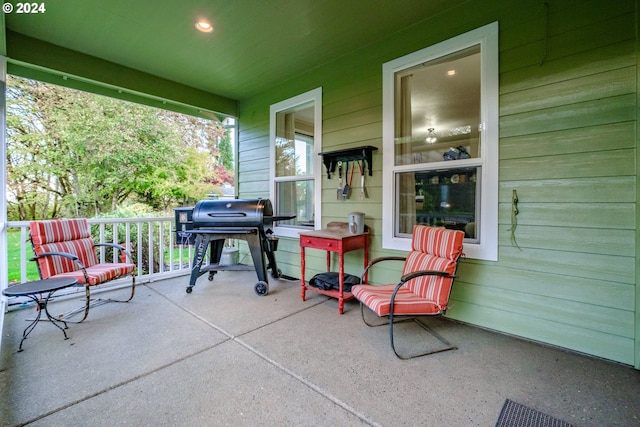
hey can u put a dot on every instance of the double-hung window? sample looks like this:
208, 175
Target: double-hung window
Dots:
296, 140
440, 139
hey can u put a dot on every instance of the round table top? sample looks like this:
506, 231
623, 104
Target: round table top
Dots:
39, 286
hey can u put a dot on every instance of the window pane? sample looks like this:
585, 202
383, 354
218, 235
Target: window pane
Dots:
445, 198
294, 142
295, 198
437, 109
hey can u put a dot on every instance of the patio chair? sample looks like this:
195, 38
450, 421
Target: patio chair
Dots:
425, 285
64, 248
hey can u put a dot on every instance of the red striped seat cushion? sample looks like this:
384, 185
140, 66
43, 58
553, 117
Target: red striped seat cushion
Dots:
435, 249
100, 273
378, 299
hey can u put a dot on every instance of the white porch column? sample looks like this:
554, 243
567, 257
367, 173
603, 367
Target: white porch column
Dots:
4, 271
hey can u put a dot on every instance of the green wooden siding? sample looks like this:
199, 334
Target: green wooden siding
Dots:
568, 146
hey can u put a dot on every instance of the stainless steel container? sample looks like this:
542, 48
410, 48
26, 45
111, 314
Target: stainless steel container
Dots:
356, 222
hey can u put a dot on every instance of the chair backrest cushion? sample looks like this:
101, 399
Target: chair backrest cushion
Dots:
437, 241
62, 235
436, 249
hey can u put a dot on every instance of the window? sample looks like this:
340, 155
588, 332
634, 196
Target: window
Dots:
296, 140
440, 138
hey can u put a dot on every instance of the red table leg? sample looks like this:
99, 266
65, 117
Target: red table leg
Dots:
302, 284
341, 297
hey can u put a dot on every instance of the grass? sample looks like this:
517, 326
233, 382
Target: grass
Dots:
13, 254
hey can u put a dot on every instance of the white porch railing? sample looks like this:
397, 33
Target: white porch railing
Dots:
151, 241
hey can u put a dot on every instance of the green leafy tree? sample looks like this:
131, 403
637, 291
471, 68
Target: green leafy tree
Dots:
226, 152
71, 153
32, 187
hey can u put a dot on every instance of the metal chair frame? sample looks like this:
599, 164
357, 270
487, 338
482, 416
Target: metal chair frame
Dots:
88, 302
404, 279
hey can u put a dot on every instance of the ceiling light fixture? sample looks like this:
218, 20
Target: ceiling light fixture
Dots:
451, 73
431, 136
204, 26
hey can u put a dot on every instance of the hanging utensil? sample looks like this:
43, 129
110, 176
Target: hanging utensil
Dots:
339, 194
346, 190
363, 190
353, 167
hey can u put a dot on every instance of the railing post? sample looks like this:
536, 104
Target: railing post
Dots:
150, 247
139, 247
160, 253
101, 241
23, 254
127, 237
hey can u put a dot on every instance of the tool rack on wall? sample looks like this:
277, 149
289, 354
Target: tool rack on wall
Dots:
364, 153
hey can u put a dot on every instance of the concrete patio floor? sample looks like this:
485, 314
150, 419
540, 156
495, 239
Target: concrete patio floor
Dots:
224, 356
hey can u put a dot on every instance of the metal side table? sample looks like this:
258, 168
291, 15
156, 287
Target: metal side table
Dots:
34, 291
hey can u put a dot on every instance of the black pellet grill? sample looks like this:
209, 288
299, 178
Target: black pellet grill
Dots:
210, 222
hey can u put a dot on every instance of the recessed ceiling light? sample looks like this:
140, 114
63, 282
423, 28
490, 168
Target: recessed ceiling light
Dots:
204, 26
451, 73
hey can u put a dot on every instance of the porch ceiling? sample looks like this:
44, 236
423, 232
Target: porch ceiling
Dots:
255, 44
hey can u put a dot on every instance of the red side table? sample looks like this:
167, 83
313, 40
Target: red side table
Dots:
332, 239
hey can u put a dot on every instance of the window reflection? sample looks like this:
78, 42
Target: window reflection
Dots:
441, 198
294, 143
437, 107
296, 198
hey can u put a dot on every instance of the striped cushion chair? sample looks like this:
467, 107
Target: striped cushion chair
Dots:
64, 248
425, 285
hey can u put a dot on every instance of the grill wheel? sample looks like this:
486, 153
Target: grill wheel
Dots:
261, 288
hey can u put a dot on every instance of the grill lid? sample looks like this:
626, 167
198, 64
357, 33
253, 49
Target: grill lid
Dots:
232, 213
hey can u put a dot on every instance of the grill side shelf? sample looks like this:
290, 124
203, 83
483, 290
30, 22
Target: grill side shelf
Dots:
218, 267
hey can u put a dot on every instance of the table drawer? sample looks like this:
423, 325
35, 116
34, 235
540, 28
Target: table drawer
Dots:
320, 243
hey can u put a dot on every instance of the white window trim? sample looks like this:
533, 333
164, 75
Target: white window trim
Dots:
315, 96
487, 37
